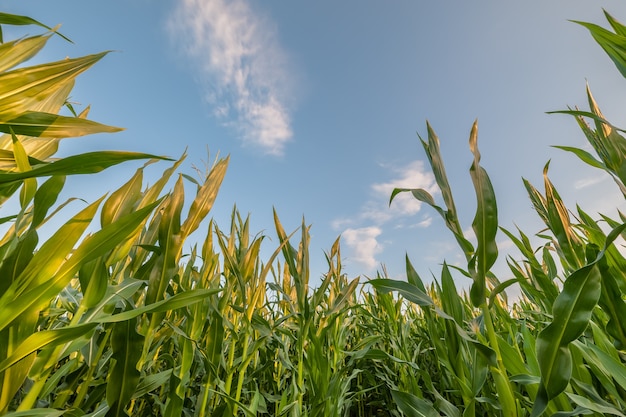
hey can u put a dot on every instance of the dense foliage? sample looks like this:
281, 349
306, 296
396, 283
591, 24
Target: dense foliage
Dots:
127, 320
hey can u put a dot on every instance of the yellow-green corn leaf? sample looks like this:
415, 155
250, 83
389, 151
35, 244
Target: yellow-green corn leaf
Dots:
49, 125
485, 223
43, 266
94, 278
38, 340
126, 346
37, 412
559, 223
122, 201
18, 51
205, 197
170, 244
30, 184
614, 44
48, 273
21, 89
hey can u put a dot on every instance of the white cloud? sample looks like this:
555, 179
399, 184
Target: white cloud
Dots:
360, 232
246, 68
377, 209
364, 245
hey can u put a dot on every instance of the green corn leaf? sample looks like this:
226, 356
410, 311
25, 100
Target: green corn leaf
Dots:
408, 291
415, 295
413, 406
603, 409
411, 275
45, 197
126, 347
93, 278
214, 342
485, 223
584, 156
451, 300
18, 20
86, 163
614, 44
572, 311
151, 382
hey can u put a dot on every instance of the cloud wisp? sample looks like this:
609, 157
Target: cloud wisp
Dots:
241, 61
362, 232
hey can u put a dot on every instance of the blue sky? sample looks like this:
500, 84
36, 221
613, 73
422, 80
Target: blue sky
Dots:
318, 105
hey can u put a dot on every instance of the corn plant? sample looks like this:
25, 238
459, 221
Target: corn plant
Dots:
136, 319
541, 358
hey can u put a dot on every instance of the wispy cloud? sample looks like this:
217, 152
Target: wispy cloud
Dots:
361, 232
588, 182
238, 53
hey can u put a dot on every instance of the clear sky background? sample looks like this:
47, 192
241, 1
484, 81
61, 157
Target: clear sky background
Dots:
318, 104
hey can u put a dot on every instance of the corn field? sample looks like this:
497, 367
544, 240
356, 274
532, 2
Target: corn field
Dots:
129, 319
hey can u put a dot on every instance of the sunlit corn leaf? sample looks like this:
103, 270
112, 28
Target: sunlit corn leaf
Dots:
18, 51
37, 412
205, 197
485, 223
22, 89
49, 272
21, 160
49, 125
39, 340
